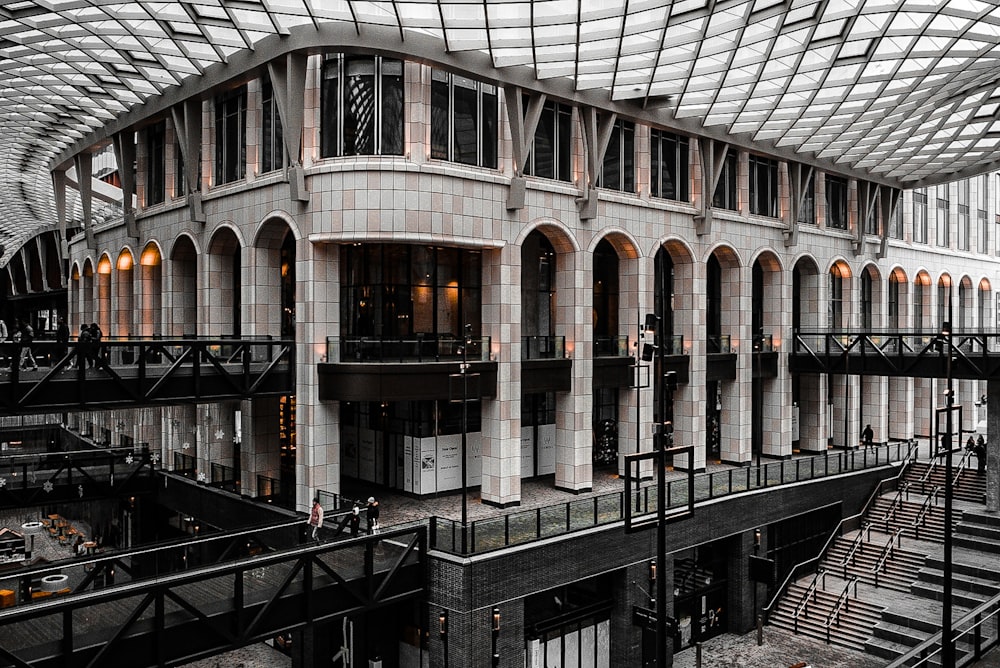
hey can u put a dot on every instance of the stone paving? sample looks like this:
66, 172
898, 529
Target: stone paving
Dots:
779, 650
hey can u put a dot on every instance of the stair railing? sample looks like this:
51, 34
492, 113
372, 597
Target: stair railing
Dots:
963, 466
927, 476
857, 545
897, 503
886, 554
845, 525
925, 509
843, 603
808, 597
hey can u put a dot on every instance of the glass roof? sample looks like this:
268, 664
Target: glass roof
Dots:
899, 91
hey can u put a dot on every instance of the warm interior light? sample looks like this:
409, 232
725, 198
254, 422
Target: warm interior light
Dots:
124, 261
104, 265
496, 620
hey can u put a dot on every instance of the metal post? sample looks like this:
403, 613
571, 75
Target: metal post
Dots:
465, 429
661, 511
947, 643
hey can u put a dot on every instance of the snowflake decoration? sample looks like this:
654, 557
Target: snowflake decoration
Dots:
3, 482
201, 477
79, 490
185, 445
47, 486
129, 459
219, 435
155, 457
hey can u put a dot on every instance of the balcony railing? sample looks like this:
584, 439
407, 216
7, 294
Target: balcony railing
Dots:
763, 344
526, 526
417, 349
543, 347
721, 344
611, 346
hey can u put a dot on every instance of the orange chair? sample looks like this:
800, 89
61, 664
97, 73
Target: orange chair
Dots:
7, 598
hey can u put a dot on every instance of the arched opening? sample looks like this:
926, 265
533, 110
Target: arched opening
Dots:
225, 272
184, 289
151, 291
809, 391
607, 343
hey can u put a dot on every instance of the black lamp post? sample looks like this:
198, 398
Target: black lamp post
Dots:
496, 636
947, 642
663, 432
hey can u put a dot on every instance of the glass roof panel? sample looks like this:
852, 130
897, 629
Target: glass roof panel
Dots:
899, 88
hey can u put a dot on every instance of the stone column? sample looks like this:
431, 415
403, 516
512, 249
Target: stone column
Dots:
737, 395
574, 413
689, 321
636, 413
501, 417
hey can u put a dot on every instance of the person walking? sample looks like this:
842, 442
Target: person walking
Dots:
84, 349
355, 520
95, 341
868, 436
980, 450
27, 335
316, 518
371, 514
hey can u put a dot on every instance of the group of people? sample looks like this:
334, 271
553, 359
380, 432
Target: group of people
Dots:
978, 448
22, 334
352, 520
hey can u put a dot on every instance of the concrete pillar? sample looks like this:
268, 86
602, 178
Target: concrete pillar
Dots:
993, 447
574, 409
901, 409
636, 413
689, 321
744, 598
814, 410
501, 418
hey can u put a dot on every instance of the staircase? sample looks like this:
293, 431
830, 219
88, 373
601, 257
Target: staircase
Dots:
893, 587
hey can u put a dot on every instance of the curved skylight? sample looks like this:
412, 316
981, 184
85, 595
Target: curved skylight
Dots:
901, 92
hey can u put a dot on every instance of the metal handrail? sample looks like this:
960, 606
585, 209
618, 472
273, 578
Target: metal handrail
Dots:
887, 551
857, 545
803, 606
971, 624
925, 509
897, 503
911, 454
926, 476
841, 604
963, 465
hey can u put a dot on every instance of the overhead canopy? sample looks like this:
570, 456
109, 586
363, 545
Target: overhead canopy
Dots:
899, 92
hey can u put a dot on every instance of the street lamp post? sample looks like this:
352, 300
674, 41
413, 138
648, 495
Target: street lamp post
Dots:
443, 632
465, 430
947, 642
496, 636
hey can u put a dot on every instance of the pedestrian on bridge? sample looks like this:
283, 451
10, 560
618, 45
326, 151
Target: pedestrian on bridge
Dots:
868, 436
371, 514
316, 518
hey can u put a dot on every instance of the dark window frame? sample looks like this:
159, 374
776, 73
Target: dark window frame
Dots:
726, 191
231, 136
836, 202
272, 142
360, 120
763, 186
448, 128
618, 166
669, 166
551, 155
156, 163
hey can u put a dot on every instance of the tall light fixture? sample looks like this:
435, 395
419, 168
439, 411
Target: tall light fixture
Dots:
947, 642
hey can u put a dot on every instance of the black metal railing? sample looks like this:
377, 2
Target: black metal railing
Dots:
611, 346
268, 489
495, 533
978, 630
185, 465
721, 344
543, 347
151, 370
417, 349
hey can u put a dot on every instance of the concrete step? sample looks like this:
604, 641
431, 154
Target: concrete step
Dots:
885, 649
979, 543
967, 583
983, 570
936, 592
981, 517
971, 528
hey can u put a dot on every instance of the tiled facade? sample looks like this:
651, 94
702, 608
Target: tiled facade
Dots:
177, 277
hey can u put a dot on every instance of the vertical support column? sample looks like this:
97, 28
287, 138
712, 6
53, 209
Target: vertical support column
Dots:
259, 446
574, 414
501, 417
636, 408
633, 587
874, 399
813, 413
993, 447
737, 395
744, 597
689, 320
900, 423
317, 296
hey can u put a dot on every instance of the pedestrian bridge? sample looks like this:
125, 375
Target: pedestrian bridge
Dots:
141, 372
975, 355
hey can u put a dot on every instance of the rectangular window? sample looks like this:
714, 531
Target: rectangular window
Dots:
763, 186
230, 136
836, 202
180, 185
668, 158
362, 106
272, 148
893, 320
807, 212
983, 220
920, 216
550, 156
156, 167
869, 218
725, 191
943, 224
896, 220
618, 169
464, 116
964, 223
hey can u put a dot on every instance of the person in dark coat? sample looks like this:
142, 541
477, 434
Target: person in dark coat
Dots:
980, 451
355, 520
